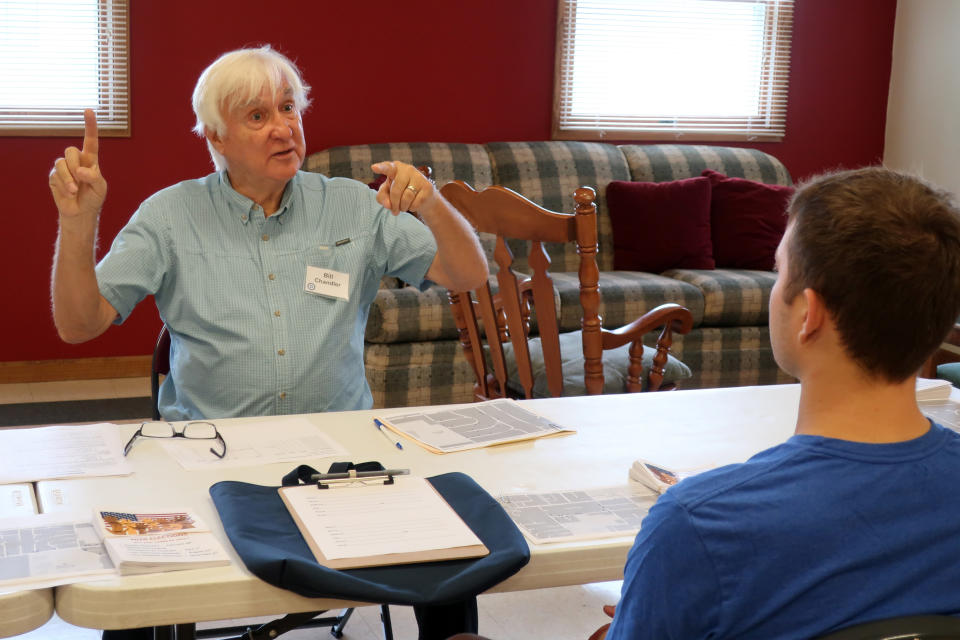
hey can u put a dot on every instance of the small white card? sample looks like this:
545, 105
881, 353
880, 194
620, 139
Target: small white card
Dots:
327, 282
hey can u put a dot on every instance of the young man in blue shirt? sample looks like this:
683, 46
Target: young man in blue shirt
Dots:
856, 517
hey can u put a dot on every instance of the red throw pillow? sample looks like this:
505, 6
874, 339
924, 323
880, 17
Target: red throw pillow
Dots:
660, 225
747, 220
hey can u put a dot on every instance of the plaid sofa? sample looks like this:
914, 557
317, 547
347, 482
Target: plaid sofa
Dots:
412, 355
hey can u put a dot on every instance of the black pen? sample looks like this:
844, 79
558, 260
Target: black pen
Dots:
360, 474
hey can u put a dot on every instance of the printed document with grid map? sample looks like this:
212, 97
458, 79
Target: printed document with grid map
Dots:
46, 550
472, 426
564, 516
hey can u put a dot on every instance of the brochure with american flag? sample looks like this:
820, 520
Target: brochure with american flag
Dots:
146, 541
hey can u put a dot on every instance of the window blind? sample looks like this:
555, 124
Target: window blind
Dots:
58, 57
660, 69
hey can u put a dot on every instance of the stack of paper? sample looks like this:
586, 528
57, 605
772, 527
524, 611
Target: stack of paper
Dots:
657, 477
44, 453
932, 389
158, 540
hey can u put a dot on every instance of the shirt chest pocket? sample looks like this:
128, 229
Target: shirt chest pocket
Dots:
333, 271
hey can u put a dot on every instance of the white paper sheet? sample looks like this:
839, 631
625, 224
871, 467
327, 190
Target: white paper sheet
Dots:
355, 521
46, 453
257, 442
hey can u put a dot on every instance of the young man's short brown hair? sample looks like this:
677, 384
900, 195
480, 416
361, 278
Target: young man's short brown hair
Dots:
883, 251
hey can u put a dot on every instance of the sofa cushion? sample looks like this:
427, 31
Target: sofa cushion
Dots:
731, 297
449, 161
660, 225
662, 162
548, 173
625, 296
615, 364
408, 314
411, 374
727, 357
747, 219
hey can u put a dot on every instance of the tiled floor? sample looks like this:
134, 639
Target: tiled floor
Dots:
74, 390
563, 613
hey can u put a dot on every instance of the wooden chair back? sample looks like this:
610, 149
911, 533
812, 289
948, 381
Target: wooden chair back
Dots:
506, 315
159, 366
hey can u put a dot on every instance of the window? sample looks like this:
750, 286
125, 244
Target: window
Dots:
662, 69
58, 57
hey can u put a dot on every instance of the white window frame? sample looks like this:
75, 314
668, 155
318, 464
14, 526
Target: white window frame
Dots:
112, 104
767, 123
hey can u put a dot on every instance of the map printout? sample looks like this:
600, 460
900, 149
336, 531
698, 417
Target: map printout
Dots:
472, 426
562, 516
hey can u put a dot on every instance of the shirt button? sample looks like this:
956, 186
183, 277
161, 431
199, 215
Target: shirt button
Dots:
276, 313
283, 394
272, 277
243, 218
264, 237
280, 352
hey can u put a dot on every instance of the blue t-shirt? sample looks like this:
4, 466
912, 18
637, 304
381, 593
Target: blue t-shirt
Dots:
248, 336
807, 537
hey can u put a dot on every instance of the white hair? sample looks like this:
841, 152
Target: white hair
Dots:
235, 79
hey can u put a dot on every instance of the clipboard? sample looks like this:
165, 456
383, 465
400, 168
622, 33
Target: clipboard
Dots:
370, 523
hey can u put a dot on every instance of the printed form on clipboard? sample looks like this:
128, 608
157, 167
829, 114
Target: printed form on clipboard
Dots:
472, 426
370, 524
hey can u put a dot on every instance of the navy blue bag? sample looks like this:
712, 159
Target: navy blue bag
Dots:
271, 546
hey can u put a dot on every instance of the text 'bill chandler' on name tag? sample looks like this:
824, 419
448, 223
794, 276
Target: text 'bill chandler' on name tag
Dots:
326, 282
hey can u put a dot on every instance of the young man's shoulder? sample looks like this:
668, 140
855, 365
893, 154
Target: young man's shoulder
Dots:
744, 476
808, 464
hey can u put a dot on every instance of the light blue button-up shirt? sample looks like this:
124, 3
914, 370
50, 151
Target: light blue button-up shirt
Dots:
247, 336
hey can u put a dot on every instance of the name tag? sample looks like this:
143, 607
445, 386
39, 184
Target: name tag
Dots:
326, 282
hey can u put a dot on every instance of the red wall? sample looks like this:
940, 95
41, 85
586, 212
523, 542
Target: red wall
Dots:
386, 71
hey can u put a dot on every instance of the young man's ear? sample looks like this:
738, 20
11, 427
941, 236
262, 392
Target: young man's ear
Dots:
814, 314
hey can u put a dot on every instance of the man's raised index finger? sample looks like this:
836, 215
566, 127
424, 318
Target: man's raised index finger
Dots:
91, 142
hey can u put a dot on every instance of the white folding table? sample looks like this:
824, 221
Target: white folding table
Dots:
683, 429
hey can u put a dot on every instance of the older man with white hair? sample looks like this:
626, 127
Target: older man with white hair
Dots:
264, 274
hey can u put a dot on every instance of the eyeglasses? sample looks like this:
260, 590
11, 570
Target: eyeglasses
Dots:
190, 431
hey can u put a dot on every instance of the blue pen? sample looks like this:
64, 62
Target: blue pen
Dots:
386, 435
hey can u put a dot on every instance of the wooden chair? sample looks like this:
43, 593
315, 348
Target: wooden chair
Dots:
506, 315
159, 366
